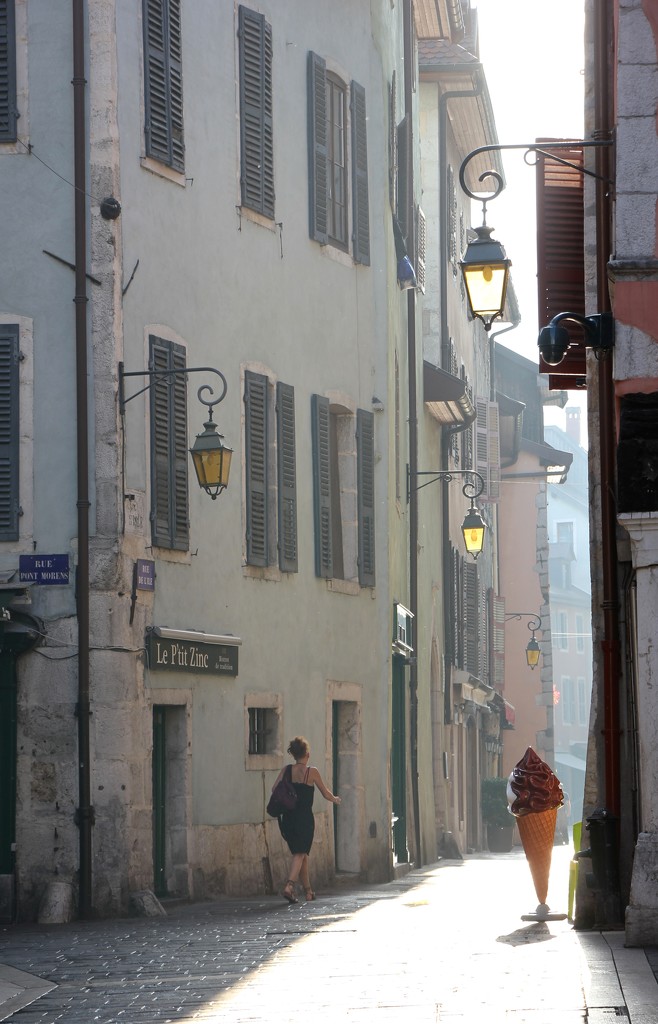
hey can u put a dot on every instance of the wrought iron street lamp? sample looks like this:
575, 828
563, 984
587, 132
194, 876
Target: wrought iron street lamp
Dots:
473, 526
533, 650
211, 458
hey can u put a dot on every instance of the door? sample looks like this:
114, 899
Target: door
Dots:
399, 762
7, 782
159, 800
170, 801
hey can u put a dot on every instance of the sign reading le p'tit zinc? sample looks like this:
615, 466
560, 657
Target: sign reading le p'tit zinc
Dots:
166, 655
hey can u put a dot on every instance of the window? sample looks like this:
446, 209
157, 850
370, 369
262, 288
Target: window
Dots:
271, 511
565, 534
343, 491
263, 731
562, 631
9, 432
168, 400
163, 83
256, 124
582, 700
330, 160
8, 111
568, 701
580, 634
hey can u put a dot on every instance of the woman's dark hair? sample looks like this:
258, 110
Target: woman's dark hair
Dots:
298, 748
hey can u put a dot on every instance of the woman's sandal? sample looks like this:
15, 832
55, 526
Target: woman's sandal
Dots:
288, 892
310, 895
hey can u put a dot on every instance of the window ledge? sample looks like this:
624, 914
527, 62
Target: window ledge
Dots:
272, 573
256, 218
349, 587
162, 171
331, 252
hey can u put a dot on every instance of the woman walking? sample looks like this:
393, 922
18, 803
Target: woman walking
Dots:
298, 826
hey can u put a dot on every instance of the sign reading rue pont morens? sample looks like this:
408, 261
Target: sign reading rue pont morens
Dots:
166, 655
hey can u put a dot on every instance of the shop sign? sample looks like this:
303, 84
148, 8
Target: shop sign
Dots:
166, 655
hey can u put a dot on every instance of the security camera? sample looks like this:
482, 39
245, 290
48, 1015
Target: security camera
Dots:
553, 343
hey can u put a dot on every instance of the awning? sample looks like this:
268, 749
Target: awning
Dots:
446, 397
506, 711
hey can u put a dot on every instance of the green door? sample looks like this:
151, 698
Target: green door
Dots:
399, 762
159, 800
7, 761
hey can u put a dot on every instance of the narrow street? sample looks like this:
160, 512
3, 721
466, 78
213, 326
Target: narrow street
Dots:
443, 944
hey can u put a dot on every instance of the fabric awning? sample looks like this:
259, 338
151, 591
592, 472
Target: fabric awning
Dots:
446, 397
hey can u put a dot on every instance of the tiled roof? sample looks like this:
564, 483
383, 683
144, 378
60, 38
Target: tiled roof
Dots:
437, 52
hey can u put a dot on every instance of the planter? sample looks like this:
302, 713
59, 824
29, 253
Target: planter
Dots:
500, 838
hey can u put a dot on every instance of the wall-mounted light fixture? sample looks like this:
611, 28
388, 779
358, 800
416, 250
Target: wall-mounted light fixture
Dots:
533, 650
211, 458
553, 340
473, 527
485, 266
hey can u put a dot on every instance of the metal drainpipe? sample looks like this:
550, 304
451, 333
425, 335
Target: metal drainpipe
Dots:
610, 643
413, 451
446, 435
84, 813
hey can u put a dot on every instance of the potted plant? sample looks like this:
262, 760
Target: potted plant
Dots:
495, 815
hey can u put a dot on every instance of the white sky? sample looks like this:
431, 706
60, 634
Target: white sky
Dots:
532, 52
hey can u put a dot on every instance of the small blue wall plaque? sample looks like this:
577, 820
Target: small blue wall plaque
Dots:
44, 570
144, 574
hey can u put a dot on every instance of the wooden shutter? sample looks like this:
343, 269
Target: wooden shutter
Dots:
360, 215
8, 112
320, 424
256, 124
404, 179
487, 448
169, 446
287, 477
421, 248
392, 142
456, 635
472, 618
317, 148
256, 452
497, 646
9, 428
561, 255
365, 468
163, 80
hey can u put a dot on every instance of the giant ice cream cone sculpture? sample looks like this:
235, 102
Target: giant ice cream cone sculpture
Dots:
534, 794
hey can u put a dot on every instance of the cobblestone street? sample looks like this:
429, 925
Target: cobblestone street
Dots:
445, 943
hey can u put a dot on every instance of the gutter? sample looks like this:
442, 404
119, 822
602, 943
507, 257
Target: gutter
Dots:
84, 814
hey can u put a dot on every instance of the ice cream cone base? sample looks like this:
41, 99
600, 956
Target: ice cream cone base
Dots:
537, 833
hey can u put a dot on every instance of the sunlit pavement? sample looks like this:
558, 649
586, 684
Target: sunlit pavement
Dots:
445, 943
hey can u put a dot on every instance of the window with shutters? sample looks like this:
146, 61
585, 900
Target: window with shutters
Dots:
496, 606
338, 161
487, 448
169, 446
163, 83
256, 123
421, 248
8, 101
270, 473
9, 432
453, 249
343, 492
467, 434
472, 623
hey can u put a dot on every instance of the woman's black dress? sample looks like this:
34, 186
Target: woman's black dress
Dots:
297, 827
